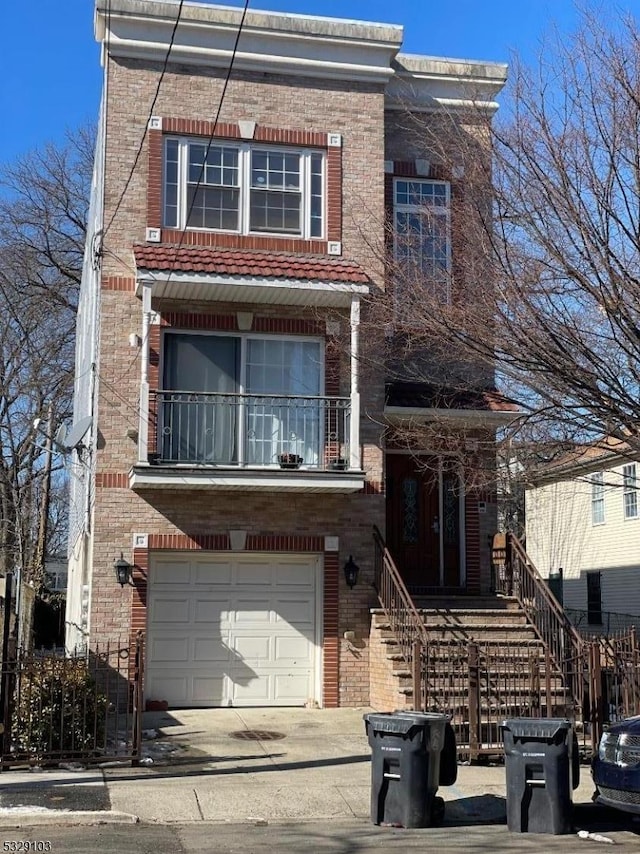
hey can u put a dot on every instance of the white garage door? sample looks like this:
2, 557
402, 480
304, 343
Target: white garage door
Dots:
232, 629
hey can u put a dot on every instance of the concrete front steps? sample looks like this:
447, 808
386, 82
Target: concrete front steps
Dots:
502, 633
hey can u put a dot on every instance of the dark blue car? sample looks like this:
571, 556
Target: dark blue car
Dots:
616, 768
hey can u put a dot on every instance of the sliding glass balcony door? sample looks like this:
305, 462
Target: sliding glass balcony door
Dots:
231, 399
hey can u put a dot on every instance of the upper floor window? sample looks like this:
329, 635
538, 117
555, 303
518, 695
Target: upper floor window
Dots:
629, 491
244, 189
422, 234
597, 498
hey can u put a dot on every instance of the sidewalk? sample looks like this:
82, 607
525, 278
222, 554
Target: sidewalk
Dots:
319, 769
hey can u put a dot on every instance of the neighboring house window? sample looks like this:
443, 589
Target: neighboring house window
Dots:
244, 189
422, 237
241, 399
594, 598
629, 491
597, 498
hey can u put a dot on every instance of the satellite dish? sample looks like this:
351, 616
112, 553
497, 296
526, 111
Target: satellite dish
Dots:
76, 434
61, 436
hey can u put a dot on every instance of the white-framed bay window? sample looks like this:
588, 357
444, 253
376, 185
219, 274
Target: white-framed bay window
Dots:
422, 238
244, 188
230, 398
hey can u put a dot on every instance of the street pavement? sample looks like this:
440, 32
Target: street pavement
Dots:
308, 788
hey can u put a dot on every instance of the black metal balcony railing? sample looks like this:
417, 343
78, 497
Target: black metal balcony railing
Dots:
261, 430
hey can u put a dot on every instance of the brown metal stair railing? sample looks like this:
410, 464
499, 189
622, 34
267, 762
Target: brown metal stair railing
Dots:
565, 646
405, 622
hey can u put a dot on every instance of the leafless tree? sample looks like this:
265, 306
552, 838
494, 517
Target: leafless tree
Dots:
43, 205
543, 293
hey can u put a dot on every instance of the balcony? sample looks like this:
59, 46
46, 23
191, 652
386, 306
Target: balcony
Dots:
262, 442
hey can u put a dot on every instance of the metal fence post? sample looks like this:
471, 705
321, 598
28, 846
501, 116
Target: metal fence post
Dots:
474, 701
595, 680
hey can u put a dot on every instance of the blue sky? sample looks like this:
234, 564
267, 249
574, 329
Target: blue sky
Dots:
50, 72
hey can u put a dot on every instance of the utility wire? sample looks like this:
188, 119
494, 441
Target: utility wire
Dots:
136, 409
146, 124
211, 136
202, 168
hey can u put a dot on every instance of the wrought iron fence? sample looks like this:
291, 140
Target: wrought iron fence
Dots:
611, 623
251, 429
479, 685
85, 707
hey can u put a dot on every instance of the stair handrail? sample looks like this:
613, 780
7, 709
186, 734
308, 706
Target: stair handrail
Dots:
546, 615
405, 622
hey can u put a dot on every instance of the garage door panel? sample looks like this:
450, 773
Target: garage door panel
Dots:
172, 572
213, 573
298, 611
170, 648
210, 649
166, 609
295, 575
251, 691
168, 686
242, 632
295, 650
288, 687
212, 611
253, 648
258, 573
254, 612
208, 690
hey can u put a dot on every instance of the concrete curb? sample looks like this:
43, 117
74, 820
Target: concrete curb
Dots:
29, 817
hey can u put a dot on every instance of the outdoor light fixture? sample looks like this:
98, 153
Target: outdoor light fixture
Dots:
122, 569
351, 570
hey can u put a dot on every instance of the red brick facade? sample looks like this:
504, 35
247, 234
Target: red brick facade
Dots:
346, 119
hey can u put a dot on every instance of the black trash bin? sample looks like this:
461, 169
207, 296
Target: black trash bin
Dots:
542, 769
448, 773
405, 768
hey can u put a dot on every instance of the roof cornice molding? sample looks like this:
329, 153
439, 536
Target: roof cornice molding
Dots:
273, 42
428, 84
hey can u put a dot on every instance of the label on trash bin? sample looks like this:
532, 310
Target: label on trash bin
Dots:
534, 754
391, 749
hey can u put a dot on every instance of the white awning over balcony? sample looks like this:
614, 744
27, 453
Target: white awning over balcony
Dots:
202, 287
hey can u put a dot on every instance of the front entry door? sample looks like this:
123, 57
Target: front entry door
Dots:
423, 520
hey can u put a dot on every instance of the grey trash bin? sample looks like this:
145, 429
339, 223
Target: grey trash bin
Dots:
405, 768
542, 769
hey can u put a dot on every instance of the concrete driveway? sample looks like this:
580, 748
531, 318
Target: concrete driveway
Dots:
316, 769
306, 763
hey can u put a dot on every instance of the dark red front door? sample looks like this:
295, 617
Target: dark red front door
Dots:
413, 532
423, 520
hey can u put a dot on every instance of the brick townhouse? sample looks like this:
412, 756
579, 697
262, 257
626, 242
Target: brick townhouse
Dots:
235, 461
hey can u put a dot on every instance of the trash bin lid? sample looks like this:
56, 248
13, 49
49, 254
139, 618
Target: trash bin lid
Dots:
392, 723
423, 717
536, 727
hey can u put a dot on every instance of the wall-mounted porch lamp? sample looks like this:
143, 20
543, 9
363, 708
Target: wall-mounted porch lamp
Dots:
351, 570
122, 569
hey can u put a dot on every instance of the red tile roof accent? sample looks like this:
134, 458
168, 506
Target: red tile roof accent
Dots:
230, 262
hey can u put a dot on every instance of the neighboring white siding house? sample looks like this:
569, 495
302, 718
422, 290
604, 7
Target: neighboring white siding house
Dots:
584, 518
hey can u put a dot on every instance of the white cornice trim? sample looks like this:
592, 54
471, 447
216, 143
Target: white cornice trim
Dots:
428, 84
286, 44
